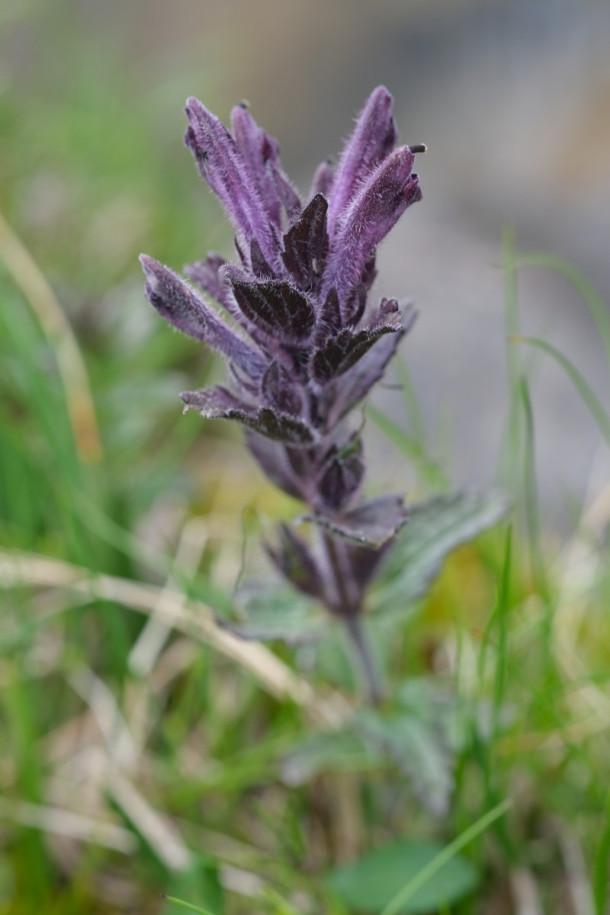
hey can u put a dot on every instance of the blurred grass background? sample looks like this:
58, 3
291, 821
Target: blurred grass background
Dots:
138, 758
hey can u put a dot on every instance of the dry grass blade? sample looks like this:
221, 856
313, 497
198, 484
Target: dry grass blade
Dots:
117, 736
192, 618
581, 896
525, 892
43, 302
155, 829
151, 640
57, 821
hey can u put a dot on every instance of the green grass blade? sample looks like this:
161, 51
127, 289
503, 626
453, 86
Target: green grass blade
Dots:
501, 614
582, 386
531, 501
187, 905
511, 436
590, 296
430, 471
408, 891
410, 400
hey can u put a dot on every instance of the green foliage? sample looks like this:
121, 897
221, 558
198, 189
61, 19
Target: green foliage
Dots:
371, 883
434, 529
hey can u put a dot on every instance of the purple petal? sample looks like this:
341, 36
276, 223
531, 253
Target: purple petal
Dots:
286, 192
373, 139
208, 277
185, 310
260, 154
222, 165
354, 306
375, 209
339, 353
323, 180
257, 149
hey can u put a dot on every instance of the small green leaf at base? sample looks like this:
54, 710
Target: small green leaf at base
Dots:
372, 882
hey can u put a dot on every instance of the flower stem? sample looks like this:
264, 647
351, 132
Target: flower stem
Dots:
364, 659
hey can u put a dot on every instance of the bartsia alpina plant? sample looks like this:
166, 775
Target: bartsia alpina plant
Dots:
302, 343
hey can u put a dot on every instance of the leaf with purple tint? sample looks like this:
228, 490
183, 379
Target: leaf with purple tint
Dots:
280, 391
342, 475
260, 267
370, 524
306, 244
356, 383
277, 308
364, 562
346, 348
329, 318
219, 403
185, 310
293, 558
273, 460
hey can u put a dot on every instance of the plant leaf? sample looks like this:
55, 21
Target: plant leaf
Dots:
370, 883
219, 403
435, 528
306, 243
419, 744
336, 751
345, 349
277, 308
271, 612
371, 524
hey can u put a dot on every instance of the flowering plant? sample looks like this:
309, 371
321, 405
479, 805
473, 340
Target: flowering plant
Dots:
302, 343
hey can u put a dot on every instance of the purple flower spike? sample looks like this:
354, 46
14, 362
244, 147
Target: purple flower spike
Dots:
304, 346
372, 140
375, 209
224, 168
